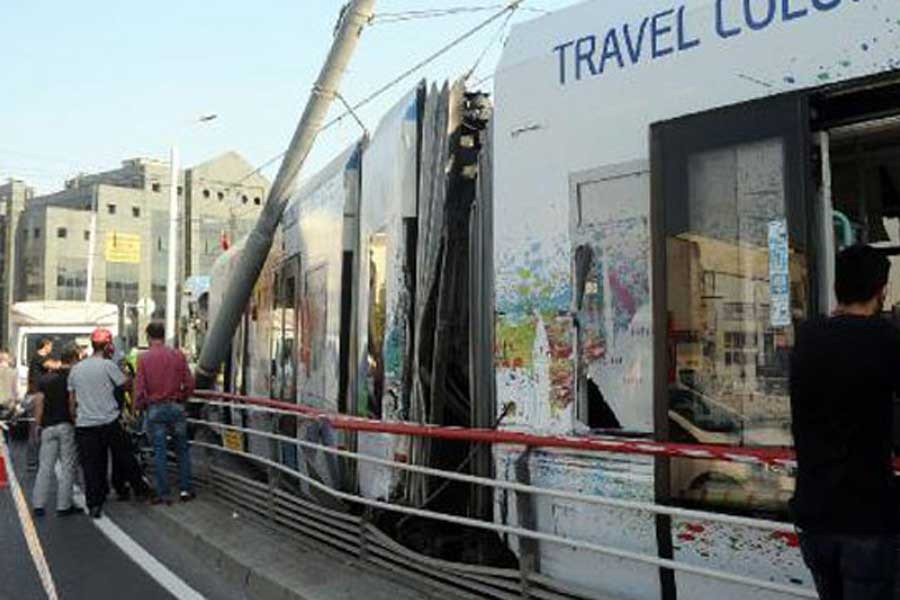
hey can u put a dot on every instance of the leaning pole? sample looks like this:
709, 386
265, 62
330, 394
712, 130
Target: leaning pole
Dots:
355, 16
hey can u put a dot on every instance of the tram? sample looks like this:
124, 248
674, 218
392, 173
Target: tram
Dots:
620, 245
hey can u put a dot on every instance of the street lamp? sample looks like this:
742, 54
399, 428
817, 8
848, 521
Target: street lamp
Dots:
172, 276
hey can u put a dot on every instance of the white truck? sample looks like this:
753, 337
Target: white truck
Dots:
64, 322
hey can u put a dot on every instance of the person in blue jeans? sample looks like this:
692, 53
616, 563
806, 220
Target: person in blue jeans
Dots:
162, 385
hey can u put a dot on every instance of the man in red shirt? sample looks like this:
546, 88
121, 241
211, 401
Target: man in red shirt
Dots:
162, 385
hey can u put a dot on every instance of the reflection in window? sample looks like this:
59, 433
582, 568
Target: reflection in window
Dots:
730, 322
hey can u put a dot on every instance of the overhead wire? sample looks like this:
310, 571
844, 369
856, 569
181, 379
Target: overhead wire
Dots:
506, 8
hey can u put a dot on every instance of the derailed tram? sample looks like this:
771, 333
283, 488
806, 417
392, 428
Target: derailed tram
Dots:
620, 246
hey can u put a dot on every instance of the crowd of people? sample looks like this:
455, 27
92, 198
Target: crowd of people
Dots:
79, 402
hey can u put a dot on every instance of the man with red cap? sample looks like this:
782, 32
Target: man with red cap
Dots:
92, 384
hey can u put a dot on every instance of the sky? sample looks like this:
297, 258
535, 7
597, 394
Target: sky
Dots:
88, 84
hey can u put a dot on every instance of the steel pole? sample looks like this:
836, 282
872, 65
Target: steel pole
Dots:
92, 249
172, 275
354, 17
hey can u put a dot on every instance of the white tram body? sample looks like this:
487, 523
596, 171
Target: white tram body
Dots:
667, 184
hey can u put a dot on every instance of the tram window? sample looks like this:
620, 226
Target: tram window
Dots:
735, 195
377, 320
732, 206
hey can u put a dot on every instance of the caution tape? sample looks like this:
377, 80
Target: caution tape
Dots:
776, 457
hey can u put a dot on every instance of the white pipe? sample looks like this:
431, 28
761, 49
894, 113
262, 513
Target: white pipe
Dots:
92, 248
171, 277
826, 288
527, 533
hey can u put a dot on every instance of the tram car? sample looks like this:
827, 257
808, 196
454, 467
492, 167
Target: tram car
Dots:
619, 242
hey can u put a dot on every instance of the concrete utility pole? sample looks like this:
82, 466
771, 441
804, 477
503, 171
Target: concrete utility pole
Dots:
355, 16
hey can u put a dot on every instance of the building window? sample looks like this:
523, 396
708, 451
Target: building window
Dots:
136, 212
122, 283
71, 279
244, 199
62, 233
87, 235
206, 194
37, 232
257, 201
159, 244
111, 209
221, 195
155, 186
180, 190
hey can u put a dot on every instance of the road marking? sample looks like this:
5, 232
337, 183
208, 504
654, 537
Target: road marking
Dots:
31, 535
146, 561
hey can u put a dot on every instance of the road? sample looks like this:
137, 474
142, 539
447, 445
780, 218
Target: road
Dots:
86, 563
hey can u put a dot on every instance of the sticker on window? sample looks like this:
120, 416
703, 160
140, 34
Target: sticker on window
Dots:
779, 274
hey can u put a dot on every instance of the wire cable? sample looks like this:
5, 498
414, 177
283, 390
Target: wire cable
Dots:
511, 6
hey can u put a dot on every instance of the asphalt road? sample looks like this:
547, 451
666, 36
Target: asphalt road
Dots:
84, 562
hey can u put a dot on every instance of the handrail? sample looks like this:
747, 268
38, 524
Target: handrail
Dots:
488, 525
661, 509
778, 457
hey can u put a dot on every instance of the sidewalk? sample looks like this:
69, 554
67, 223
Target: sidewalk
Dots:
257, 562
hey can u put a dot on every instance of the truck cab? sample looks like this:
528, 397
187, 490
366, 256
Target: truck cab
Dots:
61, 321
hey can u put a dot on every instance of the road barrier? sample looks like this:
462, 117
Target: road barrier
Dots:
275, 497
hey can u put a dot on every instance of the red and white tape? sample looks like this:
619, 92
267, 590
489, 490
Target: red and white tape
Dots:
780, 457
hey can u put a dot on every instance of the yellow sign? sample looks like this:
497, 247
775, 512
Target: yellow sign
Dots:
123, 247
233, 440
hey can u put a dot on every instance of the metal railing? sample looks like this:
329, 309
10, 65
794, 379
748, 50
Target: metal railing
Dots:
351, 534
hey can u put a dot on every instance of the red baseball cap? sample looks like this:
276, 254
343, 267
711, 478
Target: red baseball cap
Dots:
102, 336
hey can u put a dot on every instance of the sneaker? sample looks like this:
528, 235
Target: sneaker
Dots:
39, 512
68, 512
96, 512
187, 496
158, 500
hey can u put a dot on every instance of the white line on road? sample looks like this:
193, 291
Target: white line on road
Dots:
155, 569
31, 536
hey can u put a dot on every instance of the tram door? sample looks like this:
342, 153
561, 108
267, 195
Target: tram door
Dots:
732, 224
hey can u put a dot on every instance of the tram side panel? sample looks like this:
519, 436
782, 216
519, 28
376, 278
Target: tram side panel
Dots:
576, 94
388, 203
320, 235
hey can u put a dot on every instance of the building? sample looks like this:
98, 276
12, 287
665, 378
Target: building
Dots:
14, 194
220, 201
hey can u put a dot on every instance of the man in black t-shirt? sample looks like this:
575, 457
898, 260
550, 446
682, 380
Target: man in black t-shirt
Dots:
845, 371
39, 363
53, 412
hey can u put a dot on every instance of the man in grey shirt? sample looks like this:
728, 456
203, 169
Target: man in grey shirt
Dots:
92, 384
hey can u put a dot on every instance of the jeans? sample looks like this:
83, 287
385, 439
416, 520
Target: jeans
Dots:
160, 419
851, 567
57, 443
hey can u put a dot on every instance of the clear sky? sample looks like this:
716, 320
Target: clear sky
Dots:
88, 84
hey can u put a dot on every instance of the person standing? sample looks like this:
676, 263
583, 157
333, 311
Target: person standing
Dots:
9, 388
53, 416
163, 383
38, 365
92, 384
845, 371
